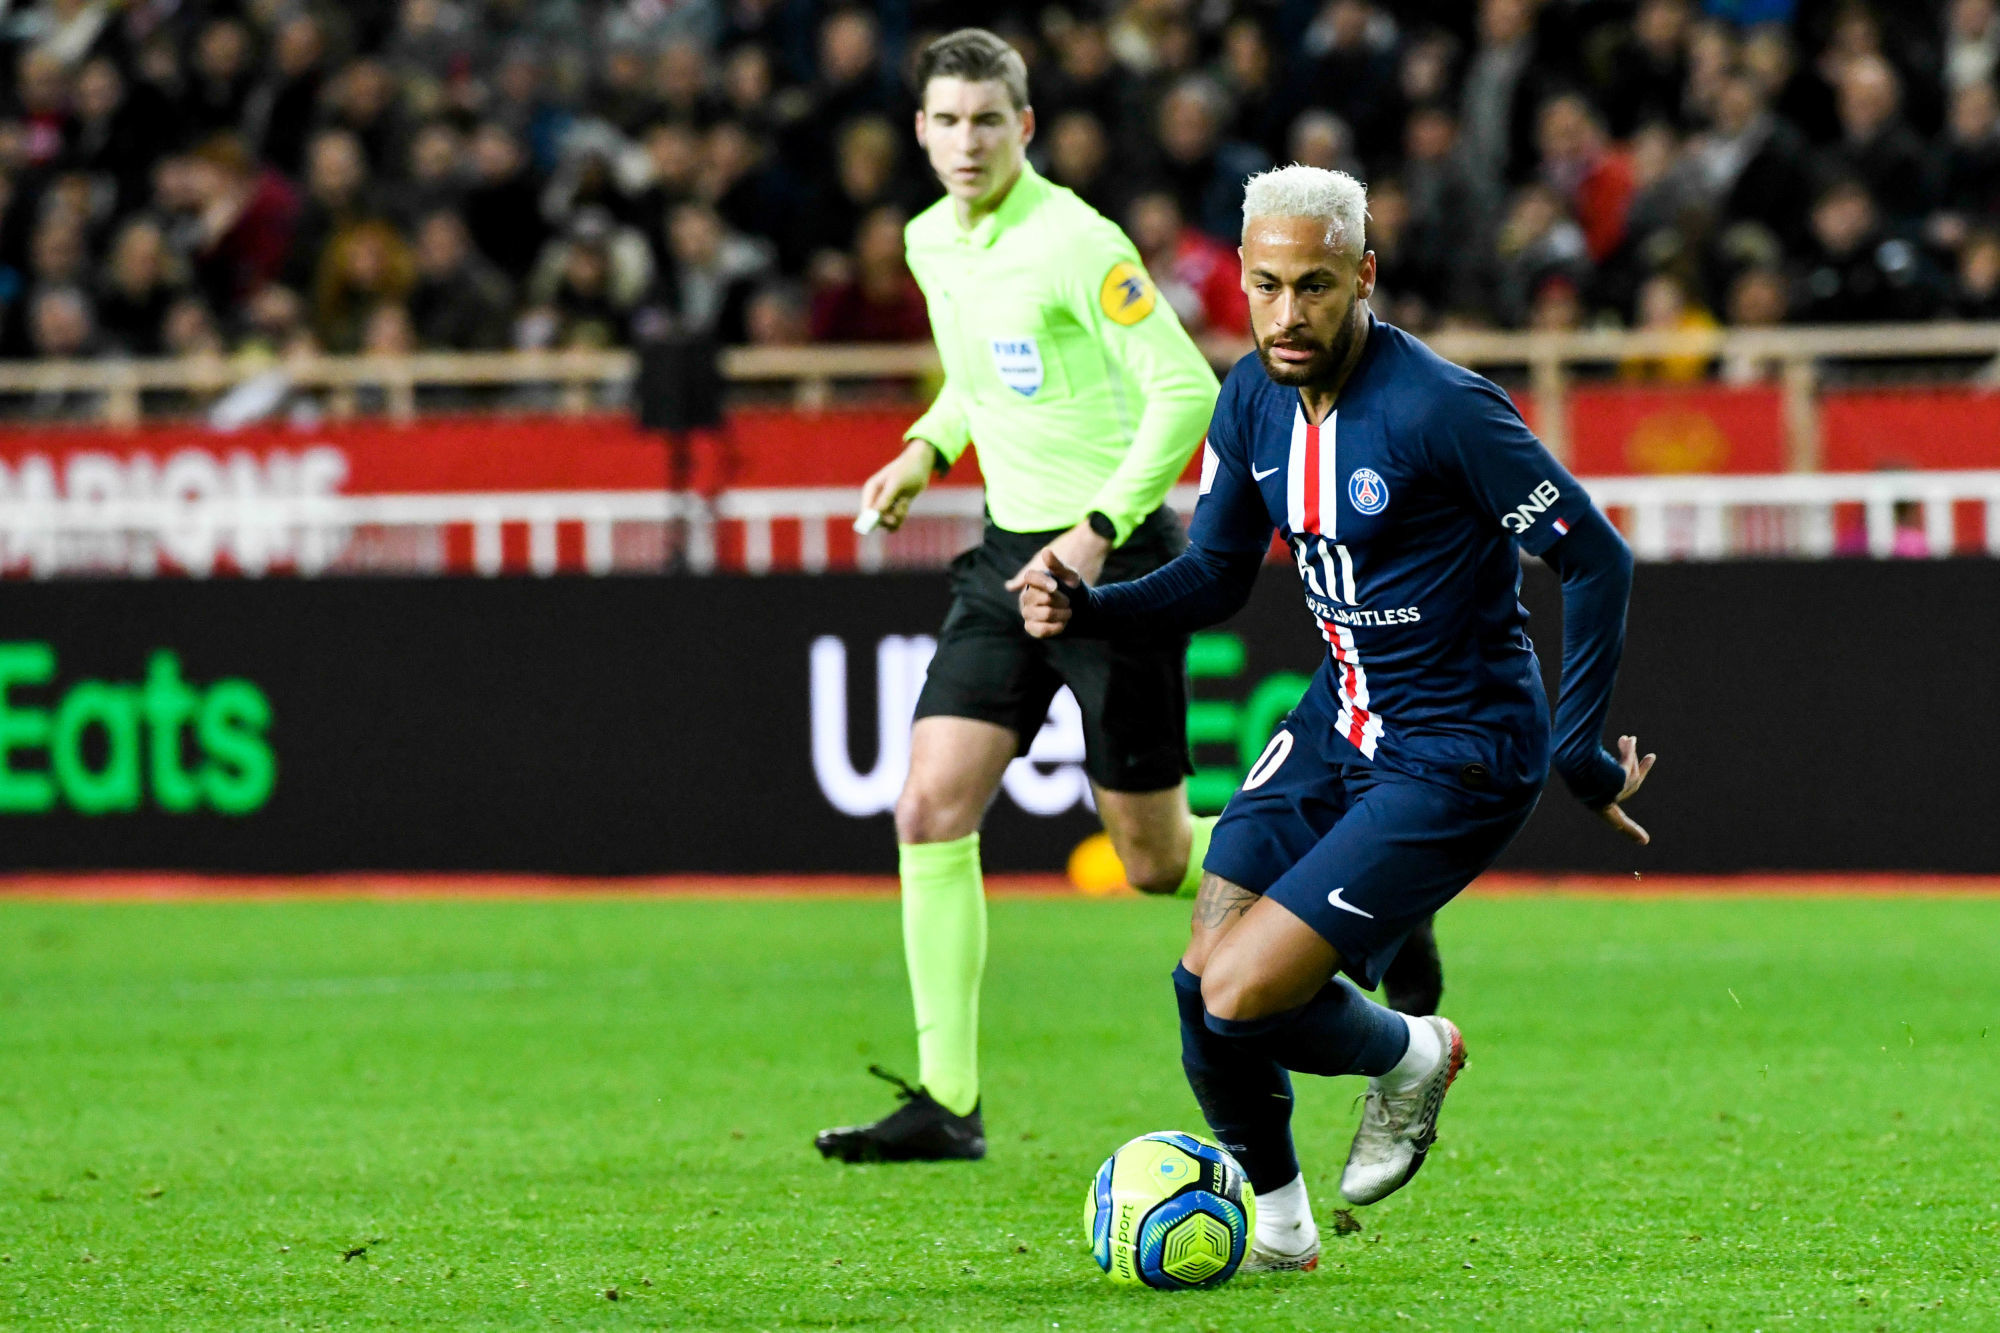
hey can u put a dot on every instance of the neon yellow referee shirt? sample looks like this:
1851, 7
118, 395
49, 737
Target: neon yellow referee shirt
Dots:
1076, 380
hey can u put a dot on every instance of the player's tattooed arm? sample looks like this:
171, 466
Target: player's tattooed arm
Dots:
1220, 904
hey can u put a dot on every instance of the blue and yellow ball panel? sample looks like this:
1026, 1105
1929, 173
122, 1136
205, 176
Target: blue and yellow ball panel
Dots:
1170, 1211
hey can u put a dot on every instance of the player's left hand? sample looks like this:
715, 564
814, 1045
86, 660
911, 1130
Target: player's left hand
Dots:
1636, 770
1044, 604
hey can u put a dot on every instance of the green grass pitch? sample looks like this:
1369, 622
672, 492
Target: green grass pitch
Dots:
1680, 1113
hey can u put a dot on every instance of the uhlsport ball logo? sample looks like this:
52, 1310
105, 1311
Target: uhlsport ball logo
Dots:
1367, 492
1170, 1211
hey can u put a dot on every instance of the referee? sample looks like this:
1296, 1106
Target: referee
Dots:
1086, 398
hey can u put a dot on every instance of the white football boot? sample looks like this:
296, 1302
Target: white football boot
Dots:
1286, 1240
1261, 1260
1398, 1128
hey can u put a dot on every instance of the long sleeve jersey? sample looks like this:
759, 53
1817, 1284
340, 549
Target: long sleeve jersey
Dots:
1063, 366
1404, 511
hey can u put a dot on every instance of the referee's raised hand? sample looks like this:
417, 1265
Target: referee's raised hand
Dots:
1044, 604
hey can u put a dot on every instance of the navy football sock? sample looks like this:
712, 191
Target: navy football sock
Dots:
1338, 1031
1245, 1096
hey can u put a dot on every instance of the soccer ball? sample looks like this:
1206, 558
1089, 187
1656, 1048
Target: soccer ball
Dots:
1170, 1210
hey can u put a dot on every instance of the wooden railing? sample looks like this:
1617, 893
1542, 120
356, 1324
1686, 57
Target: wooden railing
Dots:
114, 391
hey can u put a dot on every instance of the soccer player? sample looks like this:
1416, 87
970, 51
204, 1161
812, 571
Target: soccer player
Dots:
1086, 398
1405, 487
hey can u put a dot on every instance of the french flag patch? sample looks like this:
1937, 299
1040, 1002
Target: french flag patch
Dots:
1562, 528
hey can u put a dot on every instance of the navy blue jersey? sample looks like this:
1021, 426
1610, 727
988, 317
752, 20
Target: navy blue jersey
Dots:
1403, 511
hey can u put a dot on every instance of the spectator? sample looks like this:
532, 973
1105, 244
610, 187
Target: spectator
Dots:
190, 330
365, 265
753, 193
57, 257
1753, 164
1080, 160
521, 106
590, 279
1556, 307
1968, 167
1971, 44
1799, 97
248, 217
1245, 71
118, 133
433, 179
137, 292
1350, 69
1594, 177
1448, 213
336, 196
503, 208
1976, 290
1852, 272
71, 32
1665, 306
777, 316
864, 180
41, 95
1204, 172
1539, 240
218, 93
879, 301
714, 272
1756, 300
460, 303
1320, 139
432, 40
681, 85
389, 332
750, 94
275, 327
62, 325
1084, 79
1647, 69
1503, 86
363, 100
1876, 146
669, 176
624, 97
1198, 275
283, 108
1403, 294
850, 82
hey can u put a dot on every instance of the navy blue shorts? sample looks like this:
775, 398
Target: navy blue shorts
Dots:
1358, 852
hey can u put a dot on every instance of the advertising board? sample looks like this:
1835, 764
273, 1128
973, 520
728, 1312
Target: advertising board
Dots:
1836, 715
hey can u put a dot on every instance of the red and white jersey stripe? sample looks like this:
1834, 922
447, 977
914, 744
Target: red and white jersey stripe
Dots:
1312, 491
1361, 727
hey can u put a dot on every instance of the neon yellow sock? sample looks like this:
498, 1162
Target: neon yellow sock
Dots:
944, 943
1201, 827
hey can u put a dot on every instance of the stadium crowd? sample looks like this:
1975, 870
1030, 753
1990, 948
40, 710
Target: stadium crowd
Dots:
259, 178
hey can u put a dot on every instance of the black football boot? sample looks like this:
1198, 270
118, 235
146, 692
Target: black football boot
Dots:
920, 1130
1414, 981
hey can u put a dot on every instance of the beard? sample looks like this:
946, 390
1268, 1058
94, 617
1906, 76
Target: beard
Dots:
1327, 358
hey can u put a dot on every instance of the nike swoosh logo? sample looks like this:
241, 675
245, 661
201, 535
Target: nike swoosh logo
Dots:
1346, 906
1255, 475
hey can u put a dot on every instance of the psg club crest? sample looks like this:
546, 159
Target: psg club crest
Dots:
1019, 361
1367, 492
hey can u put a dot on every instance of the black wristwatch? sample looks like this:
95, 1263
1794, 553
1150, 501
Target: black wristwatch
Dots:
1101, 524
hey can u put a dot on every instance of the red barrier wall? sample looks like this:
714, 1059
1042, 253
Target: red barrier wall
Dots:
1613, 430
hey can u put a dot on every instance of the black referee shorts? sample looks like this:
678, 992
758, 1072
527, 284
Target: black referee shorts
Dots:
1132, 691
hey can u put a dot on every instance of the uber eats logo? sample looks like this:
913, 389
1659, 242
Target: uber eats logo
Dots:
102, 747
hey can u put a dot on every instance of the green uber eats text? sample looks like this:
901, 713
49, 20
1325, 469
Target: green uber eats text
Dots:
1245, 726
105, 743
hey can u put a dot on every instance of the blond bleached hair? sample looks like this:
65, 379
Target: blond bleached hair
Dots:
1331, 197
